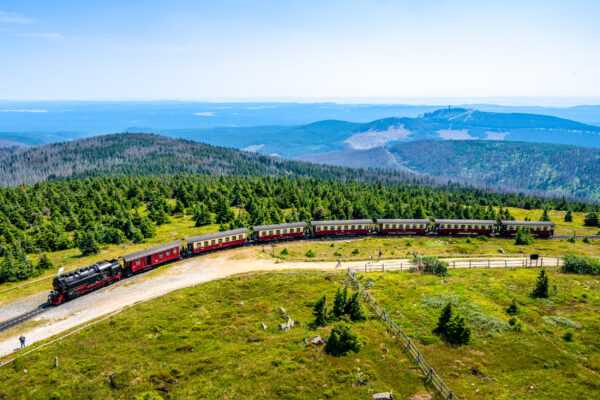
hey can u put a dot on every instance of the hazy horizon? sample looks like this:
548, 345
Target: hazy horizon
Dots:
259, 50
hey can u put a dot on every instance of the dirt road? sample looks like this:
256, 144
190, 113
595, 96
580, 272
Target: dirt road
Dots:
143, 287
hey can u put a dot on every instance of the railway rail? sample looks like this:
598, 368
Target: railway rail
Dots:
4, 325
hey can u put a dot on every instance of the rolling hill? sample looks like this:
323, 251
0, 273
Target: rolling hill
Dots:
148, 154
444, 124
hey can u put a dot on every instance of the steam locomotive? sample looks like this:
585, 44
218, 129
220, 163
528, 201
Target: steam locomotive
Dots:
76, 283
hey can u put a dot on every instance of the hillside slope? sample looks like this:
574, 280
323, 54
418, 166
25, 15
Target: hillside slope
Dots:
148, 154
555, 169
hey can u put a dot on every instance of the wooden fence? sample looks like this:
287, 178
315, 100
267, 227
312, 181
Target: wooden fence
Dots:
552, 263
408, 345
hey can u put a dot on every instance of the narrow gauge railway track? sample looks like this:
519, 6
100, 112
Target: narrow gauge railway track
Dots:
4, 325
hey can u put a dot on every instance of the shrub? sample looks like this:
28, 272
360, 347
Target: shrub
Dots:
433, 265
568, 337
310, 253
355, 252
523, 237
44, 262
515, 324
342, 341
581, 265
586, 240
513, 309
569, 216
284, 252
572, 239
541, 286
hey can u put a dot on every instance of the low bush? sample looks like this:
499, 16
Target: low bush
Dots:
574, 264
432, 265
523, 238
310, 253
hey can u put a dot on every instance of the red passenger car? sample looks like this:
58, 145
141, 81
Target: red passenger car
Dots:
403, 226
342, 227
465, 226
541, 229
218, 240
150, 258
292, 230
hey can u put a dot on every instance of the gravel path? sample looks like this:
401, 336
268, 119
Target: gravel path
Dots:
141, 288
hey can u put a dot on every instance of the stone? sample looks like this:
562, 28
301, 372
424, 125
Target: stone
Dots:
317, 341
383, 396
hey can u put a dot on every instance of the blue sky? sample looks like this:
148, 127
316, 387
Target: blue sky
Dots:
183, 49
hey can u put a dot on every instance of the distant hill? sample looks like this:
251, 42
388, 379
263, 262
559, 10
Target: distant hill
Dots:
443, 124
148, 154
558, 170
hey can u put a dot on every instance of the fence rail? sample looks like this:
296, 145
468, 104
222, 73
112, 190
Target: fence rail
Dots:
523, 262
409, 347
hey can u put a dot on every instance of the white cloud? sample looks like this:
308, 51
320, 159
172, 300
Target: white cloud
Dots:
14, 18
24, 110
41, 35
205, 114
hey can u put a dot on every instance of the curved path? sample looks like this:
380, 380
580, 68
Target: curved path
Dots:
144, 287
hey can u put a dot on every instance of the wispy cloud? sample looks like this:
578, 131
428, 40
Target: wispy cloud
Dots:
41, 35
205, 114
14, 18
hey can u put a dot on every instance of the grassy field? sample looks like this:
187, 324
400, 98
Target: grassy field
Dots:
501, 362
207, 342
395, 247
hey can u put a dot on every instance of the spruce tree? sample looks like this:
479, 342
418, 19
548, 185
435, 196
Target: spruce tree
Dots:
354, 310
545, 216
541, 286
339, 303
342, 341
320, 312
569, 216
591, 219
445, 316
456, 331
8, 272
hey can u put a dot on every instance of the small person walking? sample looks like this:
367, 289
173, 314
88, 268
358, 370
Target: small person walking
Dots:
22, 341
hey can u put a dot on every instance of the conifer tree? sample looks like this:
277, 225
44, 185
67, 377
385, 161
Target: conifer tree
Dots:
354, 310
339, 303
342, 341
591, 219
445, 317
320, 312
456, 331
569, 216
545, 216
541, 286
